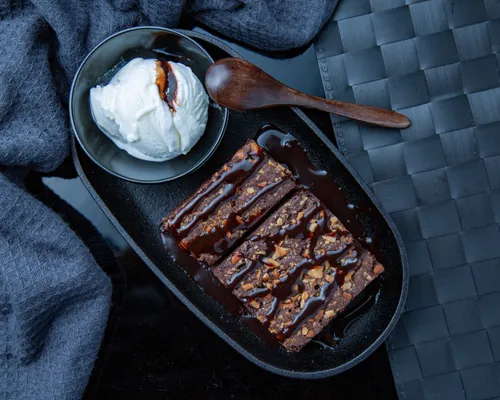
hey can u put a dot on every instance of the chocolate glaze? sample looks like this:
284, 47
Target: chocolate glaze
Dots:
216, 241
343, 260
202, 276
285, 149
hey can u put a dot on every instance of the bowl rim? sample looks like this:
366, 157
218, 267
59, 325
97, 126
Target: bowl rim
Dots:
200, 163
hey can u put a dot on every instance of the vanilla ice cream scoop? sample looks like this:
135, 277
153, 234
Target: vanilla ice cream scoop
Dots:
154, 110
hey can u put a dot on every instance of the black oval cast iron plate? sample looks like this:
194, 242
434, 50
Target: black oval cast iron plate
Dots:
136, 211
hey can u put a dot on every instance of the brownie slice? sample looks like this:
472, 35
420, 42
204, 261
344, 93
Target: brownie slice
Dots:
230, 203
298, 270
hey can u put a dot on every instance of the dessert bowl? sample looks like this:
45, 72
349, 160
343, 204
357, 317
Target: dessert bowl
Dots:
100, 66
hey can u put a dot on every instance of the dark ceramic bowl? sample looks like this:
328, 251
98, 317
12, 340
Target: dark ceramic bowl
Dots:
146, 42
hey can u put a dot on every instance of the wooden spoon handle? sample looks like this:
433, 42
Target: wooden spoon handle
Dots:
368, 114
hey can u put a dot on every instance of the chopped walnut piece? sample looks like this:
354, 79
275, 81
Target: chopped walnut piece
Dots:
270, 261
236, 258
347, 296
254, 304
312, 227
250, 190
247, 286
305, 330
262, 184
304, 298
279, 221
348, 276
329, 313
378, 269
316, 272
281, 251
300, 215
265, 277
347, 286
330, 239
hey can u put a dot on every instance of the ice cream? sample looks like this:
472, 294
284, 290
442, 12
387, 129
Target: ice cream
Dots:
154, 110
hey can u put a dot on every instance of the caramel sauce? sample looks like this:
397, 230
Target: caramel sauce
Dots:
166, 82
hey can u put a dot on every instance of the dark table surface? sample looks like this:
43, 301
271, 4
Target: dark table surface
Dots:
154, 347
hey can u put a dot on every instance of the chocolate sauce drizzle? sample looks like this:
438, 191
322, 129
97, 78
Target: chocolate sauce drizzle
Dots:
217, 240
342, 260
285, 149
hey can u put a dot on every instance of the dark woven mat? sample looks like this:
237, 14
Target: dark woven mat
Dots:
436, 61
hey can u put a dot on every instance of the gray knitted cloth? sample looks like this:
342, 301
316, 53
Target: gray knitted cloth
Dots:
54, 299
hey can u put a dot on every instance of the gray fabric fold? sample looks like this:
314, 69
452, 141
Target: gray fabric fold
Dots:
54, 299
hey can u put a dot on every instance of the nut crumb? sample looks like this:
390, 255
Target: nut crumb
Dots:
236, 258
378, 269
270, 261
254, 304
330, 239
348, 276
316, 272
305, 330
250, 190
279, 221
347, 286
281, 251
329, 314
329, 278
247, 286
347, 296
300, 215
312, 227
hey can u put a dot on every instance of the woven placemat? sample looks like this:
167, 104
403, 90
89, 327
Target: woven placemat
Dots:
436, 61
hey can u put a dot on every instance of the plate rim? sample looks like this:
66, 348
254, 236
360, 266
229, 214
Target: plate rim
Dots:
234, 344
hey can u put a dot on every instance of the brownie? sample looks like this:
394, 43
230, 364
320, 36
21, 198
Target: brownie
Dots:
230, 203
298, 270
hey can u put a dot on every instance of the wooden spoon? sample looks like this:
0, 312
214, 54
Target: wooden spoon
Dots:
237, 84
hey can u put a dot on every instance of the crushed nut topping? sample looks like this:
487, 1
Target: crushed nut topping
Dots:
281, 251
378, 269
254, 304
247, 286
270, 261
316, 272
236, 258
